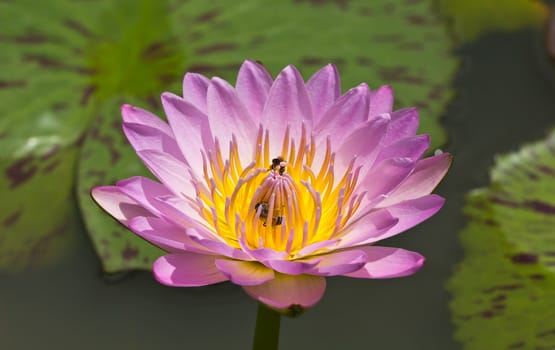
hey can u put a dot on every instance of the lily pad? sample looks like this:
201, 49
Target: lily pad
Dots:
471, 18
44, 104
383, 42
504, 289
60, 61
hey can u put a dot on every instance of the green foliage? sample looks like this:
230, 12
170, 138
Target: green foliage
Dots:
504, 289
71, 63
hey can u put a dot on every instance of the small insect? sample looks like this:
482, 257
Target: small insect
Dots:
277, 165
276, 218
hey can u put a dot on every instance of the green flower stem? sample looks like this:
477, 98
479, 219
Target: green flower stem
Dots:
266, 334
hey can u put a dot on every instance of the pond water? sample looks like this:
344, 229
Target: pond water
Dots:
505, 97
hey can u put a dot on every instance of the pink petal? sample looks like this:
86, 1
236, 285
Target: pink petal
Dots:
219, 247
165, 235
385, 262
346, 114
426, 176
288, 104
323, 89
381, 101
136, 115
229, 116
287, 293
145, 130
292, 267
253, 85
191, 129
175, 175
364, 143
409, 213
264, 254
412, 147
386, 176
404, 123
195, 87
143, 191
144, 137
338, 263
118, 204
373, 224
187, 270
185, 214
244, 273
317, 246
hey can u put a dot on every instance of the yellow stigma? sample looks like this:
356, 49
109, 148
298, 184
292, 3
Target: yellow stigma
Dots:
277, 201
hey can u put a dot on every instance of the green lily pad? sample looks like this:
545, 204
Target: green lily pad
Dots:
383, 42
471, 18
44, 104
61, 60
504, 289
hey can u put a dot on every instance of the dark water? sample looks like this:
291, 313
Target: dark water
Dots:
505, 97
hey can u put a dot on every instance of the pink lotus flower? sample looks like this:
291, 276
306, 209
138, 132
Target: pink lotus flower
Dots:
276, 184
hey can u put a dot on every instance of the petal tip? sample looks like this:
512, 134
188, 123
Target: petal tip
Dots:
163, 271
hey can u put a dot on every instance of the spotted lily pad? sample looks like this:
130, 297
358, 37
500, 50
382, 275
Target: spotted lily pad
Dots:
383, 42
504, 289
471, 18
44, 109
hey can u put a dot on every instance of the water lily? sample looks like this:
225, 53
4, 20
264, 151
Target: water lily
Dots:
276, 184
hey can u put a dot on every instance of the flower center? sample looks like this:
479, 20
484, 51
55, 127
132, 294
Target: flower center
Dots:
287, 203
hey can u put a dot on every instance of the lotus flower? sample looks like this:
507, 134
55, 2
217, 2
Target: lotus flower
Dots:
276, 184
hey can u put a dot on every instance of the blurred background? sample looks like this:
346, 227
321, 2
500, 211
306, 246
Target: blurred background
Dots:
481, 73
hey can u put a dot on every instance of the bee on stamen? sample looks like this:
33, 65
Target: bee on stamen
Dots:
277, 218
279, 165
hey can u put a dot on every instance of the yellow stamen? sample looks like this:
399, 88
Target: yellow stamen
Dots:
276, 201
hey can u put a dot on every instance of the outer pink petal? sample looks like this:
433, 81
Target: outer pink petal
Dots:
136, 115
404, 123
190, 127
386, 176
409, 213
253, 85
229, 116
338, 263
144, 191
288, 294
182, 213
412, 147
323, 89
175, 175
165, 235
118, 204
385, 262
346, 114
424, 179
381, 101
364, 143
245, 273
187, 270
194, 90
144, 130
373, 224
288, 104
